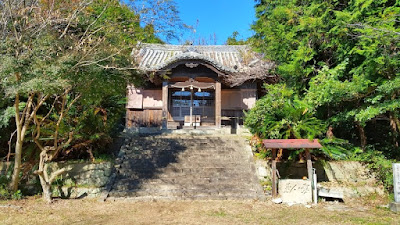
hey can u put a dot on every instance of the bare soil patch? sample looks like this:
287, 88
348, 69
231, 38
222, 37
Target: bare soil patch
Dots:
35, 211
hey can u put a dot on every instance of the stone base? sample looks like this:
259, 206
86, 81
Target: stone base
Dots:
395, 207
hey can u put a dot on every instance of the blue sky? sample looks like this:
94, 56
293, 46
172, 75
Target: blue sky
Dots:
221, 17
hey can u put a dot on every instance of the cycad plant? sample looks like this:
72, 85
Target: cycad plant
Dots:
281, 114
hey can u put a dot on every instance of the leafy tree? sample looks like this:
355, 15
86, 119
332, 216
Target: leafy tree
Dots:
233, 39
339, 57
59, 59
160, 17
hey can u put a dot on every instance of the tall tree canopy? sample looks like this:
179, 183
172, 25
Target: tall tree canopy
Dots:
65, 67
342, 59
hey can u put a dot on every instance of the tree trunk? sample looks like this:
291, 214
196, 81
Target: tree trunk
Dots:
46, 187
363, 137
394, 121
18, 148
17, 165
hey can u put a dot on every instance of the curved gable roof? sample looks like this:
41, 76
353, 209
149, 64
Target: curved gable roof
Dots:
235, 63
156, 57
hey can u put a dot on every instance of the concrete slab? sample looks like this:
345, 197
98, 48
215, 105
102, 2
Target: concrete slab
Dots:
328, 193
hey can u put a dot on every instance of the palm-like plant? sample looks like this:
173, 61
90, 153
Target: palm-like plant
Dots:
282, 115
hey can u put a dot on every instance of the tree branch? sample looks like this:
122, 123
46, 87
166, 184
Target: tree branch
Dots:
55, 174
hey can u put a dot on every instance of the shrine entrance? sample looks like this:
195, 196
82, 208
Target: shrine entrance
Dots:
192, 103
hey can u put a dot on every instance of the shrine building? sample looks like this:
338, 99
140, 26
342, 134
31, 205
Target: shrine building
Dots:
194, 87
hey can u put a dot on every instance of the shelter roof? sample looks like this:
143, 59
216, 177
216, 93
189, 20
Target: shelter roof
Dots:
291, 143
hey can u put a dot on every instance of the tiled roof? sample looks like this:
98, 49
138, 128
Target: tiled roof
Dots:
156, 57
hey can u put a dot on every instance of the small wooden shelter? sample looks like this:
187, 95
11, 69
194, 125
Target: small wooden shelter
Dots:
187, 86
275, 144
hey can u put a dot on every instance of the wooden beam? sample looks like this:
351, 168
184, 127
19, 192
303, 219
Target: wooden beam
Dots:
291, 143
165, 105
218, 104
274, 178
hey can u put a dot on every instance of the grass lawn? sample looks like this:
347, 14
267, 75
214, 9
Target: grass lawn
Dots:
34, 211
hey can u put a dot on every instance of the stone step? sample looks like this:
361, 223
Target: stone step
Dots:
164, 160
187, 182
179, 191
126, 196
201, 171
185, 167
179, 164
182, 144
166, 188
152, 175
191, 149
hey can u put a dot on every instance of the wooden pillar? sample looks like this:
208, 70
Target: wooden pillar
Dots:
165, 105
309, 164
274, 178
218, 104
191, 107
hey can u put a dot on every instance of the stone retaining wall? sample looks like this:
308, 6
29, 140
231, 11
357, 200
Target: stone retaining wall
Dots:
351, 178
80, 180
89, 179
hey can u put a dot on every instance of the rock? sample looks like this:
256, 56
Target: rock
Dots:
395, 207
277, 200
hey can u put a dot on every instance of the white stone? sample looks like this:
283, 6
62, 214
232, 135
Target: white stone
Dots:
295, 191
396, 181
277, 200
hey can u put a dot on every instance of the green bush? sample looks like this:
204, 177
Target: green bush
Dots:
5, 193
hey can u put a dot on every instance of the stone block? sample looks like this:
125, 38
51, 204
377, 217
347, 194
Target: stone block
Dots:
347, 171
330, 193
351, 190
4, 166
395, 207
295, 191
263, 169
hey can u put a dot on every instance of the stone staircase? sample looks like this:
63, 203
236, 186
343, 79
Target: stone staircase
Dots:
180, 167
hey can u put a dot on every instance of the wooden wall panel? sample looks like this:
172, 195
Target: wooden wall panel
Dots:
249, 97
231, 99
135, 98
152, 99
236, 99
144, 118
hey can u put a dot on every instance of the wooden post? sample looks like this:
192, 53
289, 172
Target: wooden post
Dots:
165, 105
191, 106
309, 170
274, 178
309, 164
218, 104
